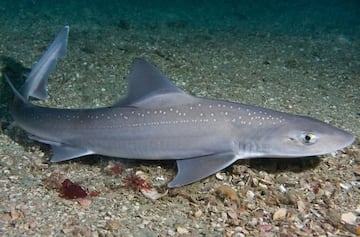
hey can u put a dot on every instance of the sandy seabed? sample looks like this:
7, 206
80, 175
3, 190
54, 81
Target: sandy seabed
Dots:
315, 75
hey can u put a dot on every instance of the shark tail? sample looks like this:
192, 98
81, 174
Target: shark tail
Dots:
36, 82
16, 92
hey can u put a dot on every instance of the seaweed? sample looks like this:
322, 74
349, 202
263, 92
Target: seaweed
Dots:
135, 182
70, 190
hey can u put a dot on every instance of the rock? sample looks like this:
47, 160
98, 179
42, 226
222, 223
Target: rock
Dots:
348, 218
152, 193
198, 213
280, 214
181, 230
227, 192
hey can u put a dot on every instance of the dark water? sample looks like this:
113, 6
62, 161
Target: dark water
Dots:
304, 17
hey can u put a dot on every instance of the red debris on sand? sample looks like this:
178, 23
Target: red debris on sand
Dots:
135, 182
117, 169
70, 190
94, 193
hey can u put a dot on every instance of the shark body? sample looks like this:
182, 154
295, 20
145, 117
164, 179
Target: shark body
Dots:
158, 121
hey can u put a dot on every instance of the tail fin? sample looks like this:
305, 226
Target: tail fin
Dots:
36, 83
17, 94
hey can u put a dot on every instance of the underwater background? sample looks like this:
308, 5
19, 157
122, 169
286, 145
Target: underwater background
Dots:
301, 57
302, 17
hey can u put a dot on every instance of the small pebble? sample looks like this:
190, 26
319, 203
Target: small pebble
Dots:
198, 213
250, 195
83, 202
238, 229
280, 214
346, 187
142, 175
265, 227
282, 188
171, 232
348, 218
239, 235
14, 213
113, 225
226, 191
181, 230
152, 193
219, 176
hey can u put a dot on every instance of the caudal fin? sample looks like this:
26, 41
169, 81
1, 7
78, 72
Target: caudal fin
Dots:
36, 83
17, 94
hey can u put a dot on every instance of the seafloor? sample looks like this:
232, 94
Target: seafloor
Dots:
296, 56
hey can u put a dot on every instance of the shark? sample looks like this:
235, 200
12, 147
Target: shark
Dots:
156, 120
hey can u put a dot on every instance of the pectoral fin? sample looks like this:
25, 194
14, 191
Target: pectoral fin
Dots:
194, 169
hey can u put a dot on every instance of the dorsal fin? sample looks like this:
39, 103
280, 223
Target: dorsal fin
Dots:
149, 87
36, 83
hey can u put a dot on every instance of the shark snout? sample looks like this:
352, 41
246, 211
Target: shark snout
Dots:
343, 139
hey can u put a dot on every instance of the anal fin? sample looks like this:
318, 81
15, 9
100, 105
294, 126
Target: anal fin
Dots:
194, 169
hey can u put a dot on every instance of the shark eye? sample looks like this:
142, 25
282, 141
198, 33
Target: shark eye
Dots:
308, 138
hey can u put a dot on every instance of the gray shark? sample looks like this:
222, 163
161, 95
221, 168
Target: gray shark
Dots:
158, 121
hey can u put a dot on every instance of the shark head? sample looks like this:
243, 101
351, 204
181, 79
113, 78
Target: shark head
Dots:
300, 136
